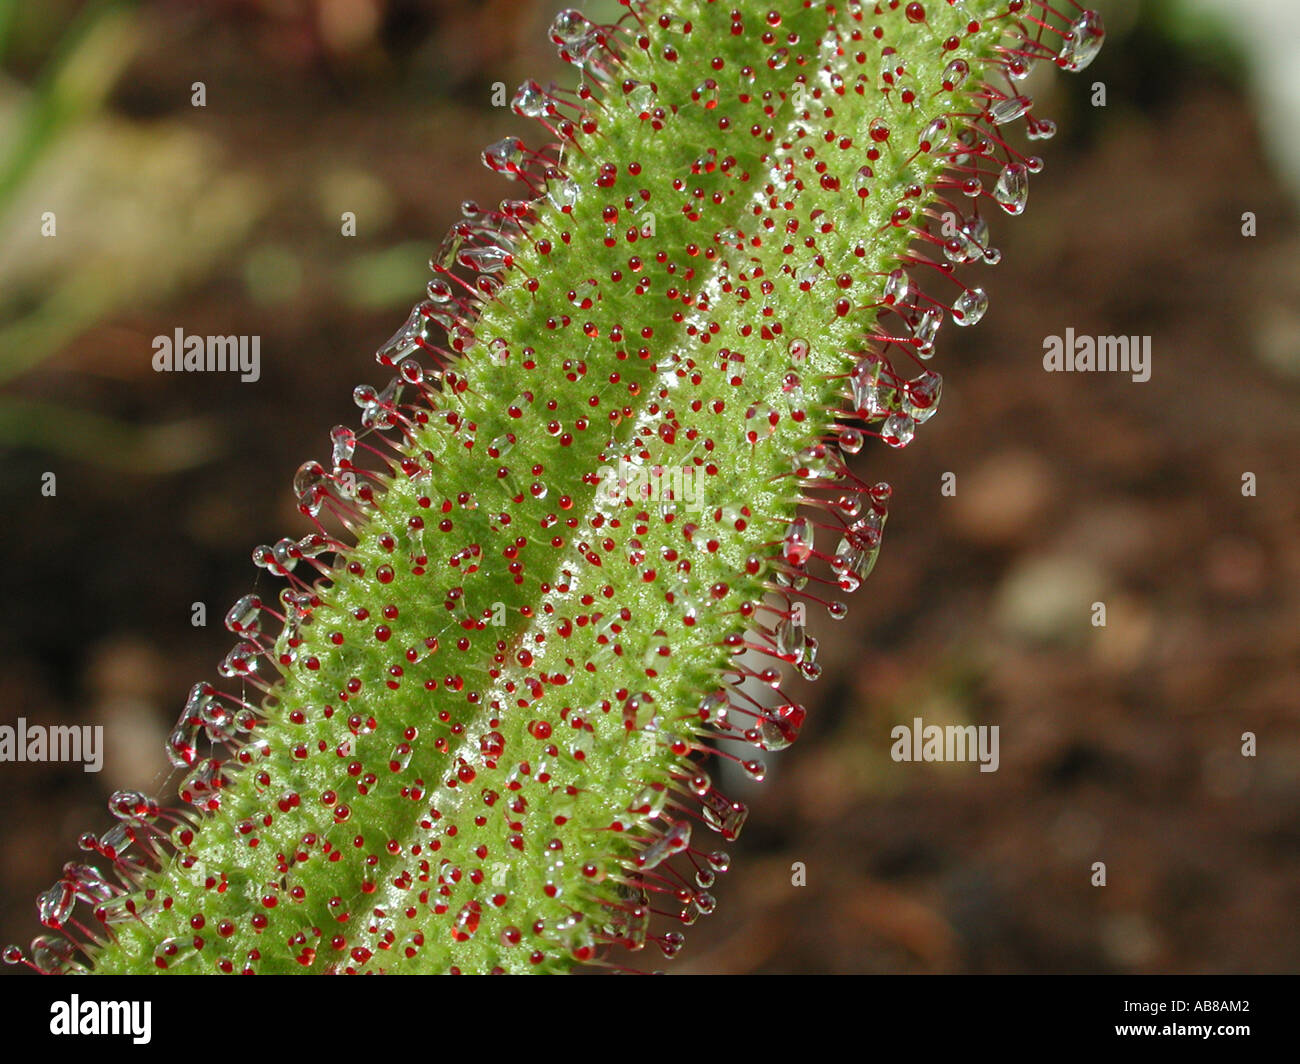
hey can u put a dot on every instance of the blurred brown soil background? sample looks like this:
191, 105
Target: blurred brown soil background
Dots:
1119, 744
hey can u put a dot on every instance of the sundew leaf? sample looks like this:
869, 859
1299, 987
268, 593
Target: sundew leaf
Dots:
593, 510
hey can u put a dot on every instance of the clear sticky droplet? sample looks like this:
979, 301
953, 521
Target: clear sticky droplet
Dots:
899, 290
672, 942
807, 276
466, 925
970, 307
569, 26
955, 74
779, 726
788, 639
400, 759
1040, 128
641, 101
921, 396
529, 100
851, 440
674, 841
927, 328
343, 442
1009, 109
563, 194
649, 801
406, 339
936, 134
410, 371
1082, 42
966, 243
87, 883
311, 486
706, 94
285, 553
182, 743
504, 156
856, 556
1019, 67
439, 291
171, 951
241, 661
898, 430
714, 706
244, 617
215, 716
489, 258
871, 393
114, 843
54, 905
1012, 189
798, 542
55, 956
724, 816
